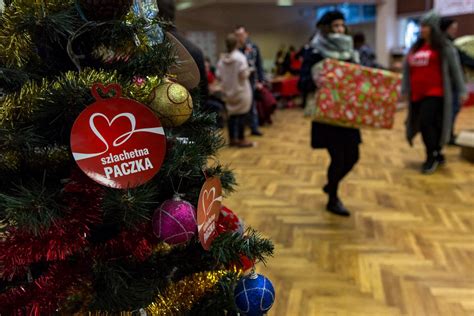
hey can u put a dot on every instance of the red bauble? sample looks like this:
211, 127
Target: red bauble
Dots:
102, 10
244, 264
229, 222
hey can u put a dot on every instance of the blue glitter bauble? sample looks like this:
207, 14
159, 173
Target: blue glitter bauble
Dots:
254, 295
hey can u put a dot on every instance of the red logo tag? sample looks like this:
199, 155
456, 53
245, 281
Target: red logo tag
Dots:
210, 203
118, 142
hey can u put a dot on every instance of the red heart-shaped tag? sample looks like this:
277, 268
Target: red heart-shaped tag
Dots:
98, 88
209, 206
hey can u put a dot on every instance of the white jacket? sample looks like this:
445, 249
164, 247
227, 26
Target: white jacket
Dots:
233, 73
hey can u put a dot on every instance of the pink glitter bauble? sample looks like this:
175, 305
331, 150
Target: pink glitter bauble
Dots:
175, 221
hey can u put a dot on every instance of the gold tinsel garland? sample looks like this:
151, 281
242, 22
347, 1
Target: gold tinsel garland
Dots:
179, 297
142, 88
125, 49
10, 160
22, 105
19, 106
16, 47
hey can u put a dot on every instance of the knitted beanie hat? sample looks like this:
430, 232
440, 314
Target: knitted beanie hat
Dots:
330, 17
431, 19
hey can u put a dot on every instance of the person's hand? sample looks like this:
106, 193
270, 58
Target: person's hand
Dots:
259, 86
464, 98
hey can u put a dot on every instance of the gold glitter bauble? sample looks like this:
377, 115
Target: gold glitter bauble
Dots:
172, 103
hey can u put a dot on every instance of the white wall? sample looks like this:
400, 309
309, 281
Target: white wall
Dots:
386, 31
271, 41
269, 26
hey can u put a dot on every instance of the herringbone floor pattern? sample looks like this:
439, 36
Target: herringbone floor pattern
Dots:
408, 249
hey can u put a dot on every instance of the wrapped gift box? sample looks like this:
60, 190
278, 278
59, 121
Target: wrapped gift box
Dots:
355, 96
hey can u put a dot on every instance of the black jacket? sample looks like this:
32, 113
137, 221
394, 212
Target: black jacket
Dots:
198, 57
306, 83
252, 52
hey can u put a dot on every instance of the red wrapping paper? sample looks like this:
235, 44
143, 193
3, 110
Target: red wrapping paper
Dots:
355, 96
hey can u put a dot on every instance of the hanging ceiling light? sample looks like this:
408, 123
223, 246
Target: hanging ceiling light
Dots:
285, 3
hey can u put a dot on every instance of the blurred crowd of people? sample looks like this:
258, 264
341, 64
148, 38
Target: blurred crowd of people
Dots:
433, 86
236, 89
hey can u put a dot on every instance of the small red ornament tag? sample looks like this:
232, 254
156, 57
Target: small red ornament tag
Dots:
118, 142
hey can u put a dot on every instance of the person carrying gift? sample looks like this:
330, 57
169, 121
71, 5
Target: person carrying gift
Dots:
342, 143
431, 73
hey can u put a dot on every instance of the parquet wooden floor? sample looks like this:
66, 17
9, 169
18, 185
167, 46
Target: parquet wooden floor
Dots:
408, 249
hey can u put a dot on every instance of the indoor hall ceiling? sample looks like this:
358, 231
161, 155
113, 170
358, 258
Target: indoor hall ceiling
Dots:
261, 14
199, 3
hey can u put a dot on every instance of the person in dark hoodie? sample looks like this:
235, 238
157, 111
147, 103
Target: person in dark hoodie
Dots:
449, 27
341, 143
305, 82
366, 53
431, 73
168, 13
257, 78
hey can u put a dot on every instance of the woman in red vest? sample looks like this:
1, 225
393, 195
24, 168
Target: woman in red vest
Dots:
431, 71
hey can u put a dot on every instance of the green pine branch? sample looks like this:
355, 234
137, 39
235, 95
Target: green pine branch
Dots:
219, 302
121, 285
12, 79
33, 208
228, 247
131, 207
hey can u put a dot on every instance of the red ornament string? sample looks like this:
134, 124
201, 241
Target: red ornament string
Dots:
43, 295
137, 242
65, 237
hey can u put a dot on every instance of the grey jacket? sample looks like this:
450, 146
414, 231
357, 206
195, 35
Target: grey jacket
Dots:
452, 81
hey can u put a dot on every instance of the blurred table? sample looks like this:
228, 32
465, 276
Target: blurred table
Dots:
470, 91
285, 86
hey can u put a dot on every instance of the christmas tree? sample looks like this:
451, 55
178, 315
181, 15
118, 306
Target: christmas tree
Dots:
90, 224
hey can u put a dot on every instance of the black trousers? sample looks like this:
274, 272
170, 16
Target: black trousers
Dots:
237, 126
344, 155
252, 116
429, 112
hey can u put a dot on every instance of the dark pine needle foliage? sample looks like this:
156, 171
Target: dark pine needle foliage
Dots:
68, 245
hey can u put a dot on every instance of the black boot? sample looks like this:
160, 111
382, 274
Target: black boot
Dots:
452, 140
431, 163
336, 207
326, 189
441, 159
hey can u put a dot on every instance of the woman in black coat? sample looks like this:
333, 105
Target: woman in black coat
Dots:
342, 143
